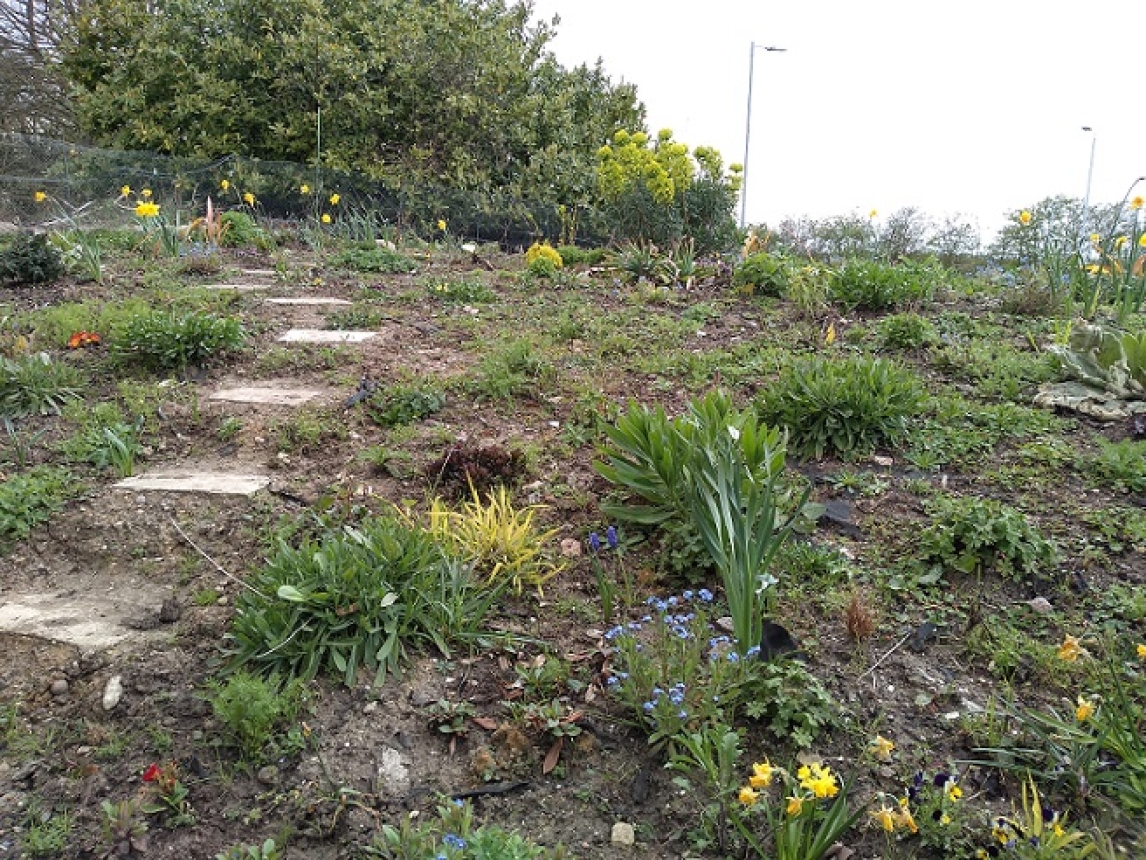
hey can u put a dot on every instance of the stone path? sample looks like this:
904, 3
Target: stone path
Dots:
93, 622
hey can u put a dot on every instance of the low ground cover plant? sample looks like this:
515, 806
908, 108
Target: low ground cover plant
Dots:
166, 340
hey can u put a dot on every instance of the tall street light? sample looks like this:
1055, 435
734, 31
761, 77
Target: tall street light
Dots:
748, 128
1090, 170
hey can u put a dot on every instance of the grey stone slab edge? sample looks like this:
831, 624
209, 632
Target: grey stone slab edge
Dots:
223, 483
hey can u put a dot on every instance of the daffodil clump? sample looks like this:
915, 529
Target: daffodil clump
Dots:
803, 814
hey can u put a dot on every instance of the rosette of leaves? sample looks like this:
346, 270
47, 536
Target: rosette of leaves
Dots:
763, 273
165, 340
974, 535
845, 406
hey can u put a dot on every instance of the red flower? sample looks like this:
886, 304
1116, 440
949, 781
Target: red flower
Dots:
151, 774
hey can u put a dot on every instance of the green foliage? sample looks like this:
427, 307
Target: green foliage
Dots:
29, 499
869, 285
360, 597
461, 290
165, 340
763, 273
513, 368
1121, 463
572, 255
845, 406
254, 709
543, 260
267, 851
452, 834
31, 259
906, 331
641, 261
239, 230
36, 385
973, 535
401, 404
45, 834
376, 259
1106, 359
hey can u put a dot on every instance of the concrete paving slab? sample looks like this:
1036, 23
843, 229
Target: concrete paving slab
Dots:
239, 288
310, 300
89, 622
259, 273
223, 483
267, 394
320, 335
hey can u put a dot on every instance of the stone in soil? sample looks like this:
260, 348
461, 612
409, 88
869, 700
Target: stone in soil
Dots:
89, 622
112, 693
321, 335
226, 483
623, 834
309, 300
239, 288
267, 395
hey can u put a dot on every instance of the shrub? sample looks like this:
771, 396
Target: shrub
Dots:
874, 286
542, 260
34, 384
762, 273
357, 598
31, 259
381, 260
239, 230
163, 340
906, 331
846, 406
973, 535
572, 255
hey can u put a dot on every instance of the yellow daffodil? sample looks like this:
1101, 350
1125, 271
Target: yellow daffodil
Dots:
249, 199
146, 210
881, 748
1136, 203
904, 818
1024, 217
1070, 649
885, 817
325, 217
1141, 651
225, 184
1085, 709
1142, 241
830, 334
125, 191
818, 779
441, 225
1119, 242
334, 199
872, 213
747, 796
1095, 238
761, 774
145, 193
795, 805
304, 189
39, 196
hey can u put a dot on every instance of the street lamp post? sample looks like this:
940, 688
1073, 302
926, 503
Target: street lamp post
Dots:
748, 129
1089, 170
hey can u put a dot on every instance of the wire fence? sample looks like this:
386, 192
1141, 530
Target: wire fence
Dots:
85, 182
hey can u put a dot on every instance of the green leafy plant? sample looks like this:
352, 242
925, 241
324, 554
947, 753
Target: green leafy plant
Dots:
543, 260
30, 498
906, 331
763, 273
237, 229
45, 834
401, 404
36, 385
1039, 833
31, 259
1121, 464
268, 850
115, 446
165, 340
460, 290
870, 285
512, 368
253, 709
845, 406
361, 597
975, 535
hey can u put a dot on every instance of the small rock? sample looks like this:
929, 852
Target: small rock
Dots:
170, 611
1041, 605
883, 461
393, 772
59, 687
112, 692
571, 548
268, 775
623, 834
370, 707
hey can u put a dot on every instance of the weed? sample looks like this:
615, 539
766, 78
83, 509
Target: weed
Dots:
305, 430
268, 850
29, 499
355, 318
511, 369
254, 709
229, 428
36, 385
906, 331
45, 834
163, 340
401, 404
374, 259
1121, 464
763, 273
976, 535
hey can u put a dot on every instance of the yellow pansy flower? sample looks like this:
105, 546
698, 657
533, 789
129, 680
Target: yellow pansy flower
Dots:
146, 210
40, 196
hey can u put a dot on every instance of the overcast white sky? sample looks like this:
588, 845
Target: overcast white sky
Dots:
971, 107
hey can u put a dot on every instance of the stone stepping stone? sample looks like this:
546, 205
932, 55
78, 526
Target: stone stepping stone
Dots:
223, 483
309, 300
89, 622
259, 273
267, 394
321, 335
239, 288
